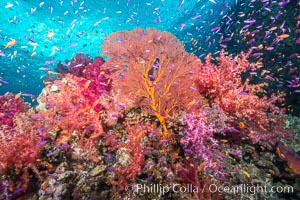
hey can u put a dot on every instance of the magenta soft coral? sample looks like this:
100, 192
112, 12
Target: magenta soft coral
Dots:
92, 70
97, 81
10, 105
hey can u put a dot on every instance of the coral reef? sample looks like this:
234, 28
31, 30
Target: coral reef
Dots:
152, 116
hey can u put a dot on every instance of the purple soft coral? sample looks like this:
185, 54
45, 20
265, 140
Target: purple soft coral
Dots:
198, 137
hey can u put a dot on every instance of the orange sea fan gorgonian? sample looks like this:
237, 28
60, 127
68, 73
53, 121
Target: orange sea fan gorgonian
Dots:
151, 70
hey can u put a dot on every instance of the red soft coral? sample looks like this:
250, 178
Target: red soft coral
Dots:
66, 111
20, 149
240, 100
21, 145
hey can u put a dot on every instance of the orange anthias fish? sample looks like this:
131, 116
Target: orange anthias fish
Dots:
50, 35
283, 36
273, 28
11, 43
18, 95
241, 125
201, 166
94, 159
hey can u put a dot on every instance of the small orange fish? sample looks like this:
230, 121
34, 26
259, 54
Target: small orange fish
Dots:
48, 165
191, 103
241, 125
272, 171
279, 153
18, 95
33, 54
201, 166
283, 36
94, 159
45, 185
262, 148
224, 141
11, 188
10, 43
50, 35
273, 28
264, 72
86, 85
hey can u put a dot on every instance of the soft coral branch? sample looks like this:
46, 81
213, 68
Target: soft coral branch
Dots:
240, 100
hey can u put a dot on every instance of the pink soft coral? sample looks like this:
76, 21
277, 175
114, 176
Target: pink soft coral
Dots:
198, 139
240, 100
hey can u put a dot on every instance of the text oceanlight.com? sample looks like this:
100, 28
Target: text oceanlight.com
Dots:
140, 189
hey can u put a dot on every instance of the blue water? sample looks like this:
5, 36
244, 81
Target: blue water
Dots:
81, 26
